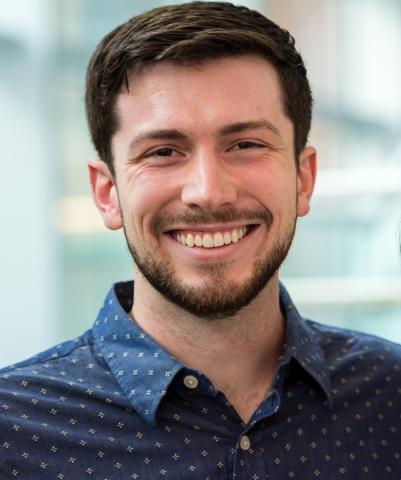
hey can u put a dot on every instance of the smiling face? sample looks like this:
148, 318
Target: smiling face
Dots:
206, 181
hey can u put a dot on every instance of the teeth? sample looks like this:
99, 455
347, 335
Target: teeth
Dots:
207, 240
198, 241
190, 240
218, 240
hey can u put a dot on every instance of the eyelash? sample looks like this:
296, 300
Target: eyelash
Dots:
249, 143
239, 144
159, 150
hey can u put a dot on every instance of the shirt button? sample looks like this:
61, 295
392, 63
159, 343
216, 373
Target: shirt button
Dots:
245, 443
190, 381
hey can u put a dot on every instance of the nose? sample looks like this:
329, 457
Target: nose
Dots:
210, 182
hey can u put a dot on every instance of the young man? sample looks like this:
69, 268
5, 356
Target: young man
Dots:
203, 367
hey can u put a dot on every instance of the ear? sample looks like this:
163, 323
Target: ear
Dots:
306, 179
104, 193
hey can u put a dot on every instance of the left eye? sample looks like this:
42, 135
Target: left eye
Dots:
247, 144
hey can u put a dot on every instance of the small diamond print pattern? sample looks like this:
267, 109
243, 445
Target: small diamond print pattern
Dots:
112, 404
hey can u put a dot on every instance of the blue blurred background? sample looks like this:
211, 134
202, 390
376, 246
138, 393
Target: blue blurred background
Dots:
58, 261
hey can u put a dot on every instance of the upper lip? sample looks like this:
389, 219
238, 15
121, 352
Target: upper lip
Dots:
209, 228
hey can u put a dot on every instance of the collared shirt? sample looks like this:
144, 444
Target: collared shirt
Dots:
113, 404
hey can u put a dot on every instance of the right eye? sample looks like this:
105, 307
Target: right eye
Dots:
161, 152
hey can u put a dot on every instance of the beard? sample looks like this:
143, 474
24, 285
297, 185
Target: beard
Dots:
215, 298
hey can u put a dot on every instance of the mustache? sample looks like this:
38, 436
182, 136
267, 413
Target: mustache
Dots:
229, 215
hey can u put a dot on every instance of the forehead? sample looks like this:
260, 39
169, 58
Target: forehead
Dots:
202, 96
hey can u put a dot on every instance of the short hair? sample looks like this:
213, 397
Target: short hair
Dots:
188, 34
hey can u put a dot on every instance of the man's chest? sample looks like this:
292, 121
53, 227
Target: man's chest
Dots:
199, 437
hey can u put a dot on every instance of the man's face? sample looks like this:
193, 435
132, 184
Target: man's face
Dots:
207, 183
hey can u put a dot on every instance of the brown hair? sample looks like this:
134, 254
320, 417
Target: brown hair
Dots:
191, 33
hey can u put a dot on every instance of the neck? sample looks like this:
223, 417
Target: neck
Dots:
246, 346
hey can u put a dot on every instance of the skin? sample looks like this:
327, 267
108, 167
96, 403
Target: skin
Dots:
209, 168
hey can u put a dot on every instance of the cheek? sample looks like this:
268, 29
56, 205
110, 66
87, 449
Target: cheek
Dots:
270, 187
143, 200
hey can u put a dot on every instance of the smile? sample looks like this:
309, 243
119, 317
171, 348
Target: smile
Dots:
211, 239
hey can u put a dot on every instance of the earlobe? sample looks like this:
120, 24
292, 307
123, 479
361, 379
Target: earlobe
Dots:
104, 193
306, 179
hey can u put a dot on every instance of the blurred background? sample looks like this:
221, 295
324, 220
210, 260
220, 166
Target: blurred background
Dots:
57, 261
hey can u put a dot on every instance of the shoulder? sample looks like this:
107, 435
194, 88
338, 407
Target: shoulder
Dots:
53, 367
362, 366
52, 355
65, 374
344, 344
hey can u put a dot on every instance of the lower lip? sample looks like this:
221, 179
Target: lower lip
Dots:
217, 253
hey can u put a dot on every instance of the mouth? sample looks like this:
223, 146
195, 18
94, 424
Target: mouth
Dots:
211, 239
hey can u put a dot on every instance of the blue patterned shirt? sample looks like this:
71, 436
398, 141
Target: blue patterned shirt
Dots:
112, 404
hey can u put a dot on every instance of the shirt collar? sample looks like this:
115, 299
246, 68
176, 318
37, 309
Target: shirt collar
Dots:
303, 344
144, 370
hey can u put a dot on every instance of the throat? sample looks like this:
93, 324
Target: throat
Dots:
246, 403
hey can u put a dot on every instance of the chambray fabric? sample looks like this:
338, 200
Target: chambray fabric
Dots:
112, 404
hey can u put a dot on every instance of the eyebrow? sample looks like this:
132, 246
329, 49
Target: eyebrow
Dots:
239, 127
160, 134
173, 134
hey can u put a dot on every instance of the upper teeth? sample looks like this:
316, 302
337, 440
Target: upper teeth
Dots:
211, 240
